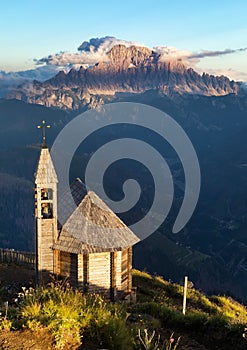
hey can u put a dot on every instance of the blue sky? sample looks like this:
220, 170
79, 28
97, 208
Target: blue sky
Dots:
34, 29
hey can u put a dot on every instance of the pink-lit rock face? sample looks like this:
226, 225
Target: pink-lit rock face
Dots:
132, 69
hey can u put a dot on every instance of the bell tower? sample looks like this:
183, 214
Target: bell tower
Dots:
45, 212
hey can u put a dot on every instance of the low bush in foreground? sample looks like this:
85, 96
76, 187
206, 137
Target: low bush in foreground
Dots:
87, 321
70, 316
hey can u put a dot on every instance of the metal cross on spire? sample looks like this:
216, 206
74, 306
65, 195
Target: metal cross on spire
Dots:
43, 126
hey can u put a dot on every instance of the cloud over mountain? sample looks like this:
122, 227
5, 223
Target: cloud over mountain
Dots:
207, 53
233, 74
11, 80
95, 51
89, 53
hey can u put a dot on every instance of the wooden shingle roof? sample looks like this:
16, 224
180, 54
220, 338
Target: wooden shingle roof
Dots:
45, 173
78, 191
92, 226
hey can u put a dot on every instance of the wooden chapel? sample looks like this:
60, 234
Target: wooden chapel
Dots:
104, 267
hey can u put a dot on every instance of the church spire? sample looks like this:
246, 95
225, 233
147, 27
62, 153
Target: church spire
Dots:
45, 211
43, 126
45, 173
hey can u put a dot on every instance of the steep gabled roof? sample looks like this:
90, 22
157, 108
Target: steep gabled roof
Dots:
93, 226
67, 204
45, 173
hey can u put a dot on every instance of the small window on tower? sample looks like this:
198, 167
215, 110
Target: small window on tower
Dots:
46, 211
46, 194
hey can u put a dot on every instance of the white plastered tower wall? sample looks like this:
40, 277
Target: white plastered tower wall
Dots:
46, 216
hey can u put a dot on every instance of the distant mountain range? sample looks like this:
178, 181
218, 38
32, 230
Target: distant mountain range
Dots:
125, 70
212, 248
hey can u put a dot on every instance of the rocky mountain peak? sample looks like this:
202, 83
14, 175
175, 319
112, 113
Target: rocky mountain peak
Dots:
126, 57
125, 69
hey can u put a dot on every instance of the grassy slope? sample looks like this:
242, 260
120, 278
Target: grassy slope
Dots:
210, 323
215, 322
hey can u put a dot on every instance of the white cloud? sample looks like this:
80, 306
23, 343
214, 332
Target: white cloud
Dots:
230, 73
95, 50
215, 53
90, 52
11, 80
104, 44
170, 52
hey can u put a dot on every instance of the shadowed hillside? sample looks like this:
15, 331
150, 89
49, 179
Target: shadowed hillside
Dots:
212, 248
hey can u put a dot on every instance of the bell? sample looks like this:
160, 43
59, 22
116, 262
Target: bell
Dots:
45, 209
44, 194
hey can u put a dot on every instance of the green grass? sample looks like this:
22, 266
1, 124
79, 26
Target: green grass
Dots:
216, 316
156, 289
76, 320
70, 316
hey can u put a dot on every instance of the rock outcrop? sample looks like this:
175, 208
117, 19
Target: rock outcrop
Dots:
128, 70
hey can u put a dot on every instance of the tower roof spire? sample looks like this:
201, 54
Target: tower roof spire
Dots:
44, 126
45, 173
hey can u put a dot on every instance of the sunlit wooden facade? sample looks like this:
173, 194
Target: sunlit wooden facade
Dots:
92, 249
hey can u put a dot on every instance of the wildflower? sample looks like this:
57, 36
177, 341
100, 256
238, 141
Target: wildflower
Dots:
244, 335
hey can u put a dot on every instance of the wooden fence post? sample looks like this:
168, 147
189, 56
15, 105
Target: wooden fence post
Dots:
185, 293
17, 257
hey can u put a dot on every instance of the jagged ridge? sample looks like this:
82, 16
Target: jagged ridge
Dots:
127, 69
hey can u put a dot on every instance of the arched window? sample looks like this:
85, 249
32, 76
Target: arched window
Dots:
46, 210
46, 203
46, 194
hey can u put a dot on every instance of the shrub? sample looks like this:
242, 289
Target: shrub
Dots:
114, 334
31, 311
5, 324
56, 308
195, 319
218, 321
107, 324
69, 315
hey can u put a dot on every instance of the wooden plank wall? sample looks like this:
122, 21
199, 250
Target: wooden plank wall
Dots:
85, 271
126, 277
113, 275
64, 264
99, 273
69, 267
118, 269
74, 270
125, 272
45, 242
80, 271
130, 269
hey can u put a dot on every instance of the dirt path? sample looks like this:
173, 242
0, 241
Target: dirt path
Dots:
25, 340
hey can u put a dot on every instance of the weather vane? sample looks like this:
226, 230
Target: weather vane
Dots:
43, 126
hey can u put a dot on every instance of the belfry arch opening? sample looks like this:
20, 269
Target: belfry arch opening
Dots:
46, 203
46, 194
